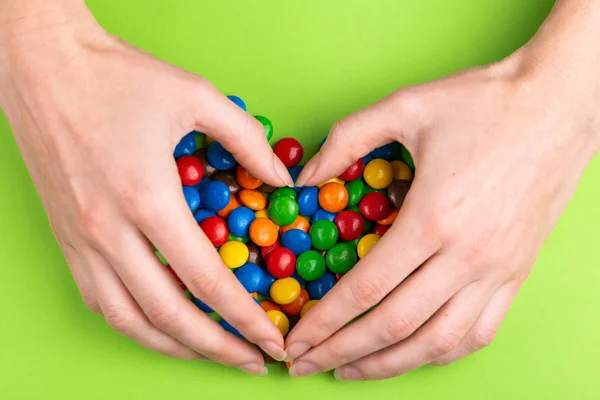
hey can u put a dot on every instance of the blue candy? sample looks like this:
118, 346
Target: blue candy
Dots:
322, 142
185, 147
229, 328
265, 290
296, 240
294, 173
322, 214
202, 214
297, 277
192, 197
201, 305
308, 201
388, 152
215, 196
319, 288
220, 158
366, 159
251, 276
239, 221
238, 102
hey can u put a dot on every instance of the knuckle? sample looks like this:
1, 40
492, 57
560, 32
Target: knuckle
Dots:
335, 355
164, 317
89, 300
93, 222
397, 327
366, 293
443, 343
205, 285
481, 338
118, 319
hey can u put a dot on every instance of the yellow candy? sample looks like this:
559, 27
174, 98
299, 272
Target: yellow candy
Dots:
402, 172
234, 254
280, 320
285, 291
337, 180
262, 214
366, 243
378, 174
307, 307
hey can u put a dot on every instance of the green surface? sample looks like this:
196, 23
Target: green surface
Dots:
304, 64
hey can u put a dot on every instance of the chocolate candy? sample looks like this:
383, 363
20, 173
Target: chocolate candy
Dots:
228, 178
209, 170
397, 192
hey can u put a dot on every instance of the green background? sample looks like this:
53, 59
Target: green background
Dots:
304, 64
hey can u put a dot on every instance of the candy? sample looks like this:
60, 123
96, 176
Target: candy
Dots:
283, 210
397, 192
378, 174
209, 170
254, 256
229, 328
263, 232
323, 215
269, 305
289, 151
192, 197
266, 188
333, 197
246, 180
237, 101
308, 201
252, 199
402, 172
200, 139
234, 254
366, 244
323, 234
296, 240
388, 152
215, 196
407, 158
280, 320
267, 126
239, 221
285, 291
374, 206
353, 172
251, 276
232, 205
319, 288
294, 173
390, 217
215, 230
190, 170
219, 157
350, 225
185, 147
202, 214
264, 252
307, 307
281, 262
380, 229
265, 290
300, 223
228, 178
283, 192
341, 258
295, 307
310, 265
201, 305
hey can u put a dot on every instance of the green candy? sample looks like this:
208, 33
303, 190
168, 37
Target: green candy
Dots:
237, 238
323, 234
162, 258
200, 140
368, 226
283, 210
356, 191
267, 125
406, 157
341, 258
284, 192
310, 265
188, 294
353, 243
214, 316
369, 189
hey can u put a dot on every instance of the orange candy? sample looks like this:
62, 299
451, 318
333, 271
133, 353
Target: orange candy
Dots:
263, 232
255, 295
295, 307
253, 199
333, 197
300, 223
233, 204
269, 305
246, 180
390, 218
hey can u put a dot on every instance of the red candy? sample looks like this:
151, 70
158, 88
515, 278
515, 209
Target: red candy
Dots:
295, 307
190, 170
289, 151
354, 171
215, 229
380, 229
339, 276
281, 263
172, 271
374, 206
350, 225
264, 251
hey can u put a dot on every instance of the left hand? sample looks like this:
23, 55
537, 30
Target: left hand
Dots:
498, 154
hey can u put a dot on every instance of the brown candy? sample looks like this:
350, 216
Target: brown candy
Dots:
397, 192
266, 188
209, 170
228, 178
254, 255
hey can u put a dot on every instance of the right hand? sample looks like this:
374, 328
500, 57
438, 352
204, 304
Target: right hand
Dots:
97, 121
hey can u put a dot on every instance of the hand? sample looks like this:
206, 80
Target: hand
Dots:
498, 152
97, 122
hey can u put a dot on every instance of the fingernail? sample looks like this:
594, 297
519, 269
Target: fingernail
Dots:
254, 369
303, 368
308, 171
272, 349
283, 173
348, 373
295, 351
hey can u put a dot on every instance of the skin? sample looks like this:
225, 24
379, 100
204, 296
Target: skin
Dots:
498, 150
97, 122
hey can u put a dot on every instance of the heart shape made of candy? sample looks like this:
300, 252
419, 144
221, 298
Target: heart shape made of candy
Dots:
288, 247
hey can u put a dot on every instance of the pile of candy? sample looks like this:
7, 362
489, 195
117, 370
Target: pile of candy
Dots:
288, 247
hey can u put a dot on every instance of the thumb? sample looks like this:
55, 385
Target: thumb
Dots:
357, 135
239, 133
